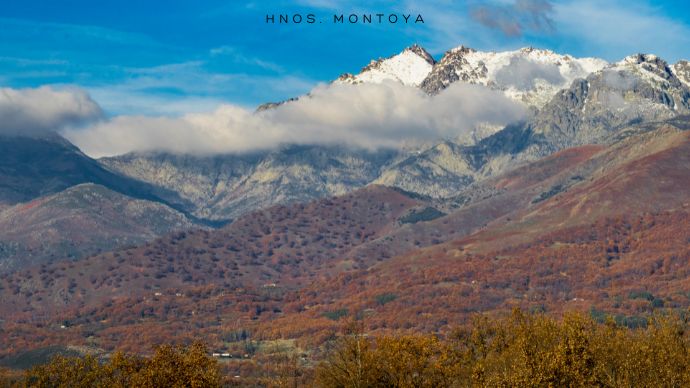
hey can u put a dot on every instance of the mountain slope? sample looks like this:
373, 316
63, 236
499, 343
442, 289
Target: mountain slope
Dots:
682, 70
528, 75
554, 234
575, 101
286, 245
439, 171
619, 229
79, 221
595, 110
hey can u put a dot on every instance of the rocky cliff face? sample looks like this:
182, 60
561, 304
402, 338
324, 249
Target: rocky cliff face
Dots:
640, 88
439, 171
226, 186
682, 70
593, 110
531, 76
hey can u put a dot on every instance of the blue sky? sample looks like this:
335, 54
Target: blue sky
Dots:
173, 57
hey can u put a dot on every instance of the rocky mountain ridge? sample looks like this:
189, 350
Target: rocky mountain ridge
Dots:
528, 75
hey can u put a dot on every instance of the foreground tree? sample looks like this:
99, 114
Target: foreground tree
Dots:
518, 351
168, 367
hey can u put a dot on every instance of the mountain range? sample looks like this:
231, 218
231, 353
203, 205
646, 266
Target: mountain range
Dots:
576, 101
580, 205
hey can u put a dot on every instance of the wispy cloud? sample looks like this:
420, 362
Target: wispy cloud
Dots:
610, 29
126, 99
52, 32
616, 29
191, 82
514, 18
240, 58
32, 62
448, 24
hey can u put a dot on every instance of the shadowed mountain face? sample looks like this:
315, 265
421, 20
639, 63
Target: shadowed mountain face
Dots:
58, 203
31, 167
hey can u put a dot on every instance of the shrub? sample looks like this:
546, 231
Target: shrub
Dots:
426, 214
520, 350
384, 298
168, 367
641, 295
336, 314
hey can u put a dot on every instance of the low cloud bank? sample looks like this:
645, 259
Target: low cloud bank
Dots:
364, 115
34, 111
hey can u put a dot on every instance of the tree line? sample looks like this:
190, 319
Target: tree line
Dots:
519, 350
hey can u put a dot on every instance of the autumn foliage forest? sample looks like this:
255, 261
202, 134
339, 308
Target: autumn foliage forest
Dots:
588, 248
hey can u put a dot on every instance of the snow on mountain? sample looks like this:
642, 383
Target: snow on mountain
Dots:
682, 71
640, 88
528, 75
647, 77
410, 67
650, 68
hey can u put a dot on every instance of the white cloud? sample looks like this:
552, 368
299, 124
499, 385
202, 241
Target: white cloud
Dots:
240, 58
31, 111
523, 73
365, 115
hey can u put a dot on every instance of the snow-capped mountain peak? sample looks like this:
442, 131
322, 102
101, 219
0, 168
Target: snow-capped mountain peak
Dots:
655, 70
529, 75
420, 51
410, 68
